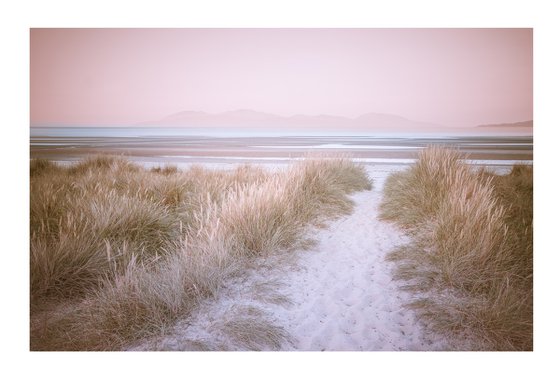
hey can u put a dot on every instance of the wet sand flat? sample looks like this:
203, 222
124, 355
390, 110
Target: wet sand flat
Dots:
233, 148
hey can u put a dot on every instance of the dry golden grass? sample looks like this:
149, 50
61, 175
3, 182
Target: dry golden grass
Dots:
471, 251
247, 327
119, 252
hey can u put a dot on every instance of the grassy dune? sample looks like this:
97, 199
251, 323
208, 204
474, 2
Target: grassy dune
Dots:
471, 255
119, 252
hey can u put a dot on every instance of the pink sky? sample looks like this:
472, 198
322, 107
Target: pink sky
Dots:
455, 77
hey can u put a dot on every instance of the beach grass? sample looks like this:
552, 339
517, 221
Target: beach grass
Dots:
119, 252
471, 255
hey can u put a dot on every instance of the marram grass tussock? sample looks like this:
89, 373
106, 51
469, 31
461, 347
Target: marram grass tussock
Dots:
471, 255
119, 252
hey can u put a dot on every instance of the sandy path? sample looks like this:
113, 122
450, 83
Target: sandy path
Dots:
339, 295
349, 301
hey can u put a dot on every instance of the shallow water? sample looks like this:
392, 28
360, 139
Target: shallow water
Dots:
176, 145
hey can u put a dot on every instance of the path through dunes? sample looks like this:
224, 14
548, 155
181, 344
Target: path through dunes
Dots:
347, 298
338, 295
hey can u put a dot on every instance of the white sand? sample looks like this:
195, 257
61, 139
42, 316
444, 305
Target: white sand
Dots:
338, 295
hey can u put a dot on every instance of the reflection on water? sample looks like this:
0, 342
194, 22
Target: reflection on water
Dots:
234, 144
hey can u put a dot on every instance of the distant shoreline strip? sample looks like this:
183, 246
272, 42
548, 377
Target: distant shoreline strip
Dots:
401, 161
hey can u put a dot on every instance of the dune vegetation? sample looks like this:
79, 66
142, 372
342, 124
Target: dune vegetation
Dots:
470, 259
119, 252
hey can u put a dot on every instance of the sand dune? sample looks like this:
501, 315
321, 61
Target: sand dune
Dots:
337, 296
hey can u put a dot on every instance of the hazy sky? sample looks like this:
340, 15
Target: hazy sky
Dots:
455, 77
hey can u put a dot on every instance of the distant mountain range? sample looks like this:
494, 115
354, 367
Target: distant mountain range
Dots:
249, 118
245, 118
522, 124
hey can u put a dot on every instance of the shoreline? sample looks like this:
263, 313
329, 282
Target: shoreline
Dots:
223, 159
209, 149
